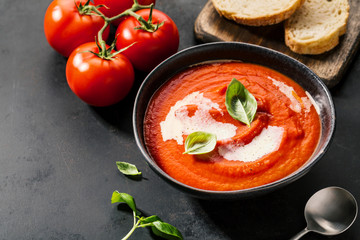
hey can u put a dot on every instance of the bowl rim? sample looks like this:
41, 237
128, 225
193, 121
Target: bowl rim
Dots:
197, 192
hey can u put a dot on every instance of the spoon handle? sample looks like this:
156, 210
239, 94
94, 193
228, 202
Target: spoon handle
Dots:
300, 234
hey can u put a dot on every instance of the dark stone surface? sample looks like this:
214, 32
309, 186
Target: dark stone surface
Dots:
57, 161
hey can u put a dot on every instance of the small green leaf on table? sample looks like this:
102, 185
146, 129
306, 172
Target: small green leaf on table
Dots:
165, 230
128, 169
118, 197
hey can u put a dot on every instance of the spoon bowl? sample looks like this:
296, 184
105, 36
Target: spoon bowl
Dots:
329, 211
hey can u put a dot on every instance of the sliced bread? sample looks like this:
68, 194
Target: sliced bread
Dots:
257, 12
316, 26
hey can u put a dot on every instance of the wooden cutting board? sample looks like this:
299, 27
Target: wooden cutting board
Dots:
330, 66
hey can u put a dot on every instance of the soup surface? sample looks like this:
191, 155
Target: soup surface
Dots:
281, 138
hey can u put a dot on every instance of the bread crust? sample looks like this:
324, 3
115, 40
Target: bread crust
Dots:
315, 46
268, 19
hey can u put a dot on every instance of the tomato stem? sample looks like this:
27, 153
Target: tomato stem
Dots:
102, 43
146, 25
94, 10
83, 8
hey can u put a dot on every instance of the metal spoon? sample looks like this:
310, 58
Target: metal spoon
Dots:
329, 211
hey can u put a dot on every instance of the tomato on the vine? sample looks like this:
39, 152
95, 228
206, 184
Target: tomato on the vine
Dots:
98, 82
150, 48
66, 28
115, 7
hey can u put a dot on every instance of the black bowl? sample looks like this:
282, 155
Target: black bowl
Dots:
250, 54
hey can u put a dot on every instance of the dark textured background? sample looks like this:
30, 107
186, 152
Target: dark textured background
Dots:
57, 159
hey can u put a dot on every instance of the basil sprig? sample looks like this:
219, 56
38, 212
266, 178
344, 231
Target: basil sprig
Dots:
240, 103
200, 143
128, 169
158, 227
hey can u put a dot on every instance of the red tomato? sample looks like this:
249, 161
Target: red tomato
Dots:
115, 7
97, 81
150, 48
65, 29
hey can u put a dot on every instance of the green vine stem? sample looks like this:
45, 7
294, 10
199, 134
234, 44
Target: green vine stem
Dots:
135, 225
94, 10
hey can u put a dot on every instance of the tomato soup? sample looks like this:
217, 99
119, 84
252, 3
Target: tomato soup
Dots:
281, 138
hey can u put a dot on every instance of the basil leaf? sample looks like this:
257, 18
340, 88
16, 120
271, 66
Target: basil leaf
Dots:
128, 169
150, 219
118, 197
165, 230
240, 103
200, 143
